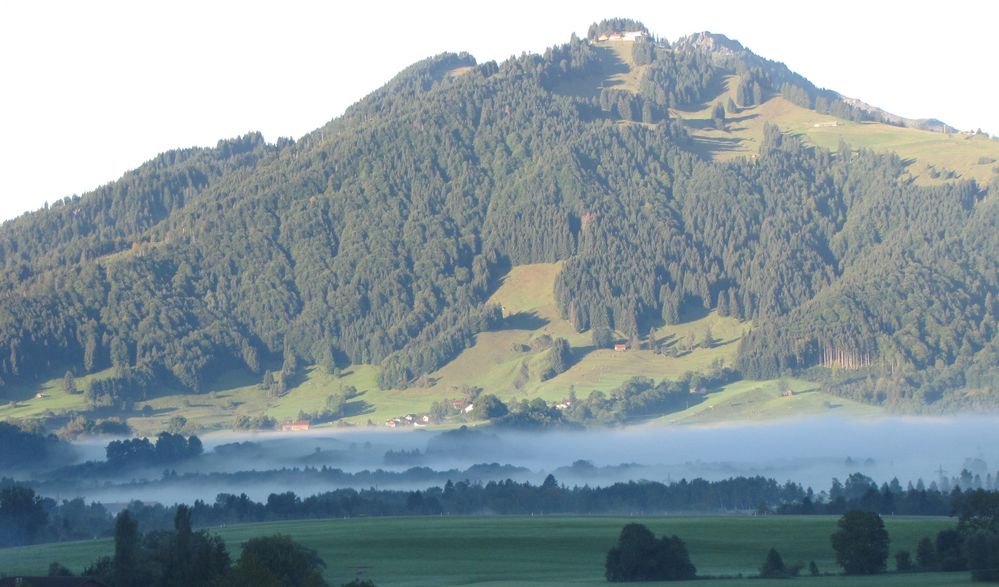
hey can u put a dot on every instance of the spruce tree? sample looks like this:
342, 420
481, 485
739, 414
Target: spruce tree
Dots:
718, 116
69, 383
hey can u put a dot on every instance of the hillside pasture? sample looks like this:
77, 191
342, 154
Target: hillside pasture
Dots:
927, 153
506, 361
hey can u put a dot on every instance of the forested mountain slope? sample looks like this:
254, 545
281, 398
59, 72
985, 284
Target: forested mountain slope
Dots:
379, 237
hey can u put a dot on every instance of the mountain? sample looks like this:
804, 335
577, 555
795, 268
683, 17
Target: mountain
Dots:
661, 182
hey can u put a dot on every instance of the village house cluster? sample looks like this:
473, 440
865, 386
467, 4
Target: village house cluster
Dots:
461, 406
414, 420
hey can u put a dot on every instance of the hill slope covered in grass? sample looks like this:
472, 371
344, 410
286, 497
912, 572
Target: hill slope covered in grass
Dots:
931, 158
608, 178
500, 362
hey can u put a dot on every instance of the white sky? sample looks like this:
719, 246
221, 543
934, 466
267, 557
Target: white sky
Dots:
91, 89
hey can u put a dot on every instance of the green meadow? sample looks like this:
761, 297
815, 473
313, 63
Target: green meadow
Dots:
927, 154
540, 550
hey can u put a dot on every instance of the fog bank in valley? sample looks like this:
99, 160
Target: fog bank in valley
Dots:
810, 452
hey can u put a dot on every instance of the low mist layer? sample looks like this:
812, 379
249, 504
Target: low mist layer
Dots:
810, 452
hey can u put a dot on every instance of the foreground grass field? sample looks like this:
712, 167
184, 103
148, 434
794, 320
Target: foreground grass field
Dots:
539, 550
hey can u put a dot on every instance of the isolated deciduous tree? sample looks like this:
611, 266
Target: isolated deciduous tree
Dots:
861, 543
282, 558
438, 412
488, 407
640, 556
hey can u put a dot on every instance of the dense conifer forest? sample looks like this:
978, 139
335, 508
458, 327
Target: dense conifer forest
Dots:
379, 237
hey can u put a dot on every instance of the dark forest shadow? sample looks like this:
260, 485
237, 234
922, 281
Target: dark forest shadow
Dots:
693, 312
590, 84
715, 89
357, 407
523, 321
705, 147
578, 353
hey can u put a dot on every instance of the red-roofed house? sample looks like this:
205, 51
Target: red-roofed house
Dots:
295, 426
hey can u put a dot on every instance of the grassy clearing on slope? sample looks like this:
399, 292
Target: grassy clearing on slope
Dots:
529, 288
526, 295
764, 400
22, 400
969, 156
617, 71
497, 363
237, 393
538, 550
232, 394
527, 298
317, 386
743, 133
631, 79
493, 362
460, 71
605, 369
